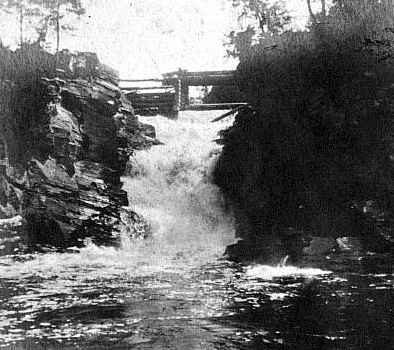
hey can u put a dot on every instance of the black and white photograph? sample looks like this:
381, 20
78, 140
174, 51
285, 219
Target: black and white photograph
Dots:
196, 174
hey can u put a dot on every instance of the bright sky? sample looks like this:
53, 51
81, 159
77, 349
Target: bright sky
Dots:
144, 38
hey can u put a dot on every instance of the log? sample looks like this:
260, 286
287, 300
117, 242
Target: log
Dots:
233, 111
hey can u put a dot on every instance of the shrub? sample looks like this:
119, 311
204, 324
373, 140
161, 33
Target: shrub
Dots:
319, 137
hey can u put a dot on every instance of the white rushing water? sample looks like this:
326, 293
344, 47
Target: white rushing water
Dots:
171, 186
171, 290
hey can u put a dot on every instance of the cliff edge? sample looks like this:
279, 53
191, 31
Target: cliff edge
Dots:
65, 137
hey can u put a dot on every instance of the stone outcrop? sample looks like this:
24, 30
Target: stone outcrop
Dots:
313, 155
63, 174
282, 201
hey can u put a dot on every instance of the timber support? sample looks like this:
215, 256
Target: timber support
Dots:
176, 84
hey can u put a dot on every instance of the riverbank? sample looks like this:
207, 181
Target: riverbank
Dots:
67, 133
313, 154
175, 290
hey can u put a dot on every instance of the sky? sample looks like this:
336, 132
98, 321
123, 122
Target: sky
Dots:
145, 38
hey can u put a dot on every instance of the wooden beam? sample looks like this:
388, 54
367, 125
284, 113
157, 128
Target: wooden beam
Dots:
149, 104
133, 88
207, 81
213, 106
203, 81
233, 111
210, 73
152, 101
198, 73
178, 96
138, 80
184, 95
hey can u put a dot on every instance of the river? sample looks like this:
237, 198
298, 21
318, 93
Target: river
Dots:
175, 290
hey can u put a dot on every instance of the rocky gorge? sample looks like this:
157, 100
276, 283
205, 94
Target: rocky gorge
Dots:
66, 134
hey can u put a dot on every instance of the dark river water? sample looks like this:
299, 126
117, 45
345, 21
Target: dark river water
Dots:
175, 290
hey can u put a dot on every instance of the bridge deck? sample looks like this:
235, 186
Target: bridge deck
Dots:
204, 78
173, 94
141, 88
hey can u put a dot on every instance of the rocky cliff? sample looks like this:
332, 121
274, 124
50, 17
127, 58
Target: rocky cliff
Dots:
313, 154
65, 139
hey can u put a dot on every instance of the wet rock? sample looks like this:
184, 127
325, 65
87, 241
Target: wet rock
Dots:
66, 184
269, 248
348, 243
272, 187
319, 246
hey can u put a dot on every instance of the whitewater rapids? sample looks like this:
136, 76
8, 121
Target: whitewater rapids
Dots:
174, 290
170, 185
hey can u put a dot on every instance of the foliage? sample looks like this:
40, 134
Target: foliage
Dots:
21, 97
271, 17
265, 19
53, 14
44, 14
224, 94
319, 139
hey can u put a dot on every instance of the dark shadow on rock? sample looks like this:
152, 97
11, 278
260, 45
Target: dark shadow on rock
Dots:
67, 135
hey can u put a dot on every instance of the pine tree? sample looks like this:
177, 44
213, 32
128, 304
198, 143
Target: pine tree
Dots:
54, 13
48, 13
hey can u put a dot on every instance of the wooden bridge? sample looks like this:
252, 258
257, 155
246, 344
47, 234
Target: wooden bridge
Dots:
170, 94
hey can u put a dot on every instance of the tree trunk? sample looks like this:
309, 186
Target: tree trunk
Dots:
323, 8
57, 27
312, 15
21, 22
43, 31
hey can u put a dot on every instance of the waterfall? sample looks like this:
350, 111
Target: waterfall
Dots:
170, 185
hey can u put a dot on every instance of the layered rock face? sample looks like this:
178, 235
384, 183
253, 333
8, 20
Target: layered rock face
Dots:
63, 175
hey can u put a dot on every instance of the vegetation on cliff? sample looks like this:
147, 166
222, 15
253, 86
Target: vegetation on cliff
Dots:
66, 132
315, 150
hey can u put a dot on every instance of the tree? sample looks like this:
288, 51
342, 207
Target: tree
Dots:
271, 17
265, 20
46, 13
240, 42
54, 12
312, 15
319, 137
18, 7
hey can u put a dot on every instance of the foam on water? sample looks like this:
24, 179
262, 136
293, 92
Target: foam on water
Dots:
170, 186
170, 291
172, 189
267, 272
